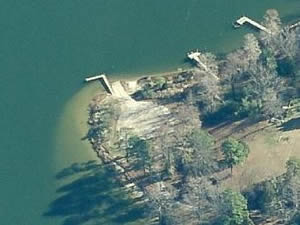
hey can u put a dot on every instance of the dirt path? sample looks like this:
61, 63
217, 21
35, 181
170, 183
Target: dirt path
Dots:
144, 118
119, 91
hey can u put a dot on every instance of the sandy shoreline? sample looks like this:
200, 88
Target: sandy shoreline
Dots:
131, 77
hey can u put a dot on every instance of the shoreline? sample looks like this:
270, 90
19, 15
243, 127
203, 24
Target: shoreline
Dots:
128, 77
137, 76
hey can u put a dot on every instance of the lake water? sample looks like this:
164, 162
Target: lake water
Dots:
47, 48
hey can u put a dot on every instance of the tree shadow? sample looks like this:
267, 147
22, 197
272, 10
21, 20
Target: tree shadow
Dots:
293, 124
91, 195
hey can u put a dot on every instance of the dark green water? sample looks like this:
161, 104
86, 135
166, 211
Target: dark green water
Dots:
47, 48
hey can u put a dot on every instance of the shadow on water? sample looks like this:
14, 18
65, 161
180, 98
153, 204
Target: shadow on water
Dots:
90, 195
292, 124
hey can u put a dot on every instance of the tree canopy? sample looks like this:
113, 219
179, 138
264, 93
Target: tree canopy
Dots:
235, 209
234, 151
139, 149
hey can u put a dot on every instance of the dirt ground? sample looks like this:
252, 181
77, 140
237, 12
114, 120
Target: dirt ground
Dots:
270, 148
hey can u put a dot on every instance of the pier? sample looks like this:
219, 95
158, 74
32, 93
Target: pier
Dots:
244, 19
101, 77
293, 26
194, 56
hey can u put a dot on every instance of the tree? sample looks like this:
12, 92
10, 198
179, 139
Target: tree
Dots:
202, 156
265, 196
196, 157
240, 61
252, 48
140, 149
293, 167
287, 43
162, 204
272, 21
234, 151
124, 135
297, 81
235, 209
188, 117
262, 92
204, 198
100, 119
289, 191
210, 64
207, 93
166, 142
281, 42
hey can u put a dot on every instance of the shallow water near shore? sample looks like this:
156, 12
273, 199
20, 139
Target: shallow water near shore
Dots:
85, 185
47, 49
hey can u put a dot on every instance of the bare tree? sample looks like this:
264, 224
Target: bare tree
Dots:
209, 65
162, 205
263, 89
210, 60
204, 199
281, 41
272, 21
287, 43
207, 93
188, 117
291, 198
251, 48
166, 142
271, 103
240, 61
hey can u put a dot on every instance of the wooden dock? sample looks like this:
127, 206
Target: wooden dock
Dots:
102, 77
194, 56
244, 19
293, 26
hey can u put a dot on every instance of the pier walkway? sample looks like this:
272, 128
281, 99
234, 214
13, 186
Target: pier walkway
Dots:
293, 26
244, 19
105, 81
194, 56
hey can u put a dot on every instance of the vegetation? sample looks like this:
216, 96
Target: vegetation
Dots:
138, 149
235, 152
235, 209
200, 160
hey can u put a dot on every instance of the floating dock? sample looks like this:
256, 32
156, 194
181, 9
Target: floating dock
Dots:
194, 56
101, 77
244, 19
